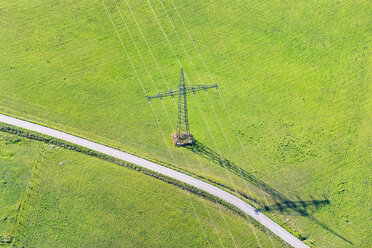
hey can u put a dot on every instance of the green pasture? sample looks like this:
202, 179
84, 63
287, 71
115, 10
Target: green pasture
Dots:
78, 201
17, 158
294, 75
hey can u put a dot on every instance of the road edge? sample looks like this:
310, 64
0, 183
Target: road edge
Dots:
31, 134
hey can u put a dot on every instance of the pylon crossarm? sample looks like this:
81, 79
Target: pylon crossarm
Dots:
171, 92
195, 88
176, 92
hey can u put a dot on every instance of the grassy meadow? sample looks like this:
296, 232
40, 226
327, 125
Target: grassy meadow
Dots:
78, 201
17, 158
295, 77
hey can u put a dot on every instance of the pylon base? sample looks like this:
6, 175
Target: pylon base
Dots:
182, 139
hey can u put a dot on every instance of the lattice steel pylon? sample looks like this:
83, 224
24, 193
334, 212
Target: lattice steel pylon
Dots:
182, 136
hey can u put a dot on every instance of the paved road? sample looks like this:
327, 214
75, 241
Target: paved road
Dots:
245, 207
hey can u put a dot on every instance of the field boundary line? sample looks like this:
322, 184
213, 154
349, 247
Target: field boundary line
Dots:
138, 163
237, 193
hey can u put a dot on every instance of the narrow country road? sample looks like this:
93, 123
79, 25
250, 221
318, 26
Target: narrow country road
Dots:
245, 207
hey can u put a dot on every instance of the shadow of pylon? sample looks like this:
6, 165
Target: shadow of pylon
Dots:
282, 202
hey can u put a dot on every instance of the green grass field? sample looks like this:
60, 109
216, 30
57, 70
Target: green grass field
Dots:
78, 201
295, 77
16, 161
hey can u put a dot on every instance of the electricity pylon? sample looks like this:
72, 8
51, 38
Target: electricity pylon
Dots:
182, 136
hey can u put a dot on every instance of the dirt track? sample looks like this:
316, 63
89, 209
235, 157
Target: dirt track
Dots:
245, 207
